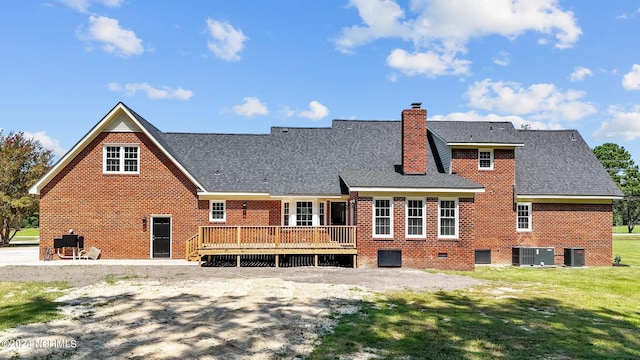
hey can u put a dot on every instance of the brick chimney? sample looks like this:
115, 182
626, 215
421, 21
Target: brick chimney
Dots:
414, 140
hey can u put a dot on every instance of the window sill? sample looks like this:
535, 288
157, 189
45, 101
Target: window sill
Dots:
415, 238
449, 239
383, 239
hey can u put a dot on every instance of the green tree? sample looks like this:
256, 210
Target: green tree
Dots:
624, 172
22, 162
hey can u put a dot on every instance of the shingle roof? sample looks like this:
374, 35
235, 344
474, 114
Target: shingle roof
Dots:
304, 161
560, 163
475, 132
311, 161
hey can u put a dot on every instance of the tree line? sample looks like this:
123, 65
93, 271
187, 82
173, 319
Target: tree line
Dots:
624, 172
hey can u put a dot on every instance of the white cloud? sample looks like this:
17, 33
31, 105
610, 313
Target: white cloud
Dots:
518, 121
580, 73
622, 124
114, 39
427, 63
47, 142
164, 93
441, 29
252, 106
501, 59
83, 5
631, 80
538, 101
316, 111
227, 42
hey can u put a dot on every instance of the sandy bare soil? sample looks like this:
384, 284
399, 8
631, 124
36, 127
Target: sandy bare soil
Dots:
158, 312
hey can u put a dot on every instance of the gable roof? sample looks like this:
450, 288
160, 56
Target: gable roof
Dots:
361, 155
560, 163
113, 116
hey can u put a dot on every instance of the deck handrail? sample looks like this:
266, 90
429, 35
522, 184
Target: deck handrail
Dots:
192, 245
333, 236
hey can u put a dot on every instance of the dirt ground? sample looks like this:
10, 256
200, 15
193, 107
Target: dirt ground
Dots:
169, 312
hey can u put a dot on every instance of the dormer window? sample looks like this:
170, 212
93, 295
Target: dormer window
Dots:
485, 159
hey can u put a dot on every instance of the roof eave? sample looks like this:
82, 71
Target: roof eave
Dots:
416, 189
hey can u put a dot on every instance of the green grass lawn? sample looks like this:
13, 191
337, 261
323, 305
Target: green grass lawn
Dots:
628, 248
28, 232
623, 229
29, 302
521, 313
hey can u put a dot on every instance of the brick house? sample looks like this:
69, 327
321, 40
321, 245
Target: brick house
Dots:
415, 193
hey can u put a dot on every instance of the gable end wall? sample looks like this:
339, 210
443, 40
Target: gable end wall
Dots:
107, 209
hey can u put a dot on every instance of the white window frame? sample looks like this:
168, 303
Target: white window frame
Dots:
121, 158
286, 213
456, 219
423, 218
313, 212
293, 208
373, 218
224, 210
490, 151
518, 217
321, 213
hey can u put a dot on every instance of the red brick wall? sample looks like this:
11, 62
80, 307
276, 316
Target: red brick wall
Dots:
414, 141
258, 213
568, 225
495, 215
556, 225
108, 209
417, 253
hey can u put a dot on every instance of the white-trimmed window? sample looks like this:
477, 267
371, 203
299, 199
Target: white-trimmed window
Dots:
121, 159
321, 212
485, 159
217, 211
448, 218
382, 217
285, 214
415, 215
304, 213
523, 216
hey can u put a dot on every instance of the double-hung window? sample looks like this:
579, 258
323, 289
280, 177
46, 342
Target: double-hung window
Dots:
523, 216
382, 218
121, 159
304, 213
448, 218
485, 159
217, 211
415, 218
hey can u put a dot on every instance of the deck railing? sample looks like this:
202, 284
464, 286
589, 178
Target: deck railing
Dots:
281, 237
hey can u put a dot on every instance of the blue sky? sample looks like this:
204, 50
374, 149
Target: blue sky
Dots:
243, 66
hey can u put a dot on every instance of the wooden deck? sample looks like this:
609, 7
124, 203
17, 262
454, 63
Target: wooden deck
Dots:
272, 240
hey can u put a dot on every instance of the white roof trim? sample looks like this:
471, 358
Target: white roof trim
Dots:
92, 134
570, 197
416, 190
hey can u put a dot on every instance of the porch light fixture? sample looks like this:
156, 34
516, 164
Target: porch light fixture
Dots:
144, 220
244, 206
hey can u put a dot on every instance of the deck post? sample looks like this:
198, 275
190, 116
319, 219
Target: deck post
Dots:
315, 260
200, 236
277, 242
355, 257
238, 236
237, 260
277, 260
